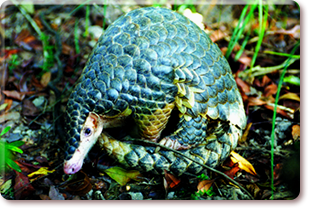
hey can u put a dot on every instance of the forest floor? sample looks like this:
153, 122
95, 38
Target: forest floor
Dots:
37, 80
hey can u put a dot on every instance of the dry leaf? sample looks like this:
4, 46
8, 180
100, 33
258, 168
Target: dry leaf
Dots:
254, 189
244, 86
22, 187
271, 90
15, 116
204, 185
9, 103
254, 101
266, 80
279, 111
39, 173
54, 194
121, 175
46, 78
243, 163
44, 197
231, 173
291, 96
245, 60
27, 41
170, 180
14, 94
217, 35
295, 132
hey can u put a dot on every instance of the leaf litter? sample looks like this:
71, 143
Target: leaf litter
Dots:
34, 122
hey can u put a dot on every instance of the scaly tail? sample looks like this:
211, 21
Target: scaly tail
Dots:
155, 160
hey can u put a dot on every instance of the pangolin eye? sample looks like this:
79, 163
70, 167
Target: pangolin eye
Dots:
87, 131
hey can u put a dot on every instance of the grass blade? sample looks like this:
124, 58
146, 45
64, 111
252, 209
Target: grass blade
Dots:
274, 117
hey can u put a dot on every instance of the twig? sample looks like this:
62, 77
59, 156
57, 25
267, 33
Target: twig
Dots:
259, 71
27, 16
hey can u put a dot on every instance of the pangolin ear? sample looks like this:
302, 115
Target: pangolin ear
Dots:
93, 117
92, 120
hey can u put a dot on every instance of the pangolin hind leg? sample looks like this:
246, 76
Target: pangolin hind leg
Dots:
189, 133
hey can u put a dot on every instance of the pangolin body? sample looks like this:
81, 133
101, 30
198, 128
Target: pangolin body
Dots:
147, 64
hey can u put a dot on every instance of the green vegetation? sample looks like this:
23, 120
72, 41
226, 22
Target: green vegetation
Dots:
274, 119
13, 62
198, 195
47, 53
9, 148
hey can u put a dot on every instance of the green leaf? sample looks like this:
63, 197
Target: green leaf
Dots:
17, 143
13, 165
203, 177
3, 106
13, 148
6, 186
28, 6
5, 130
292, 80
121, 175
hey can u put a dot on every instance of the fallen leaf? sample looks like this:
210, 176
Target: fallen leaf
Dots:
254, 189
246, 60
54, 194
44, 197
36, 18
295, 132
265, 81
243, 163
67, 49
23, 87
27, 41
22, 187
9, 103
26, 167
6, 187
170, 180
8, 52
254, 101
243, 85
279, 111
291, 96
3, 106
14, 94
204, 185
29, 109
39, 173
271, 90
277, 171
46, 78
121, 175
15, 116
217, 35
231, 173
